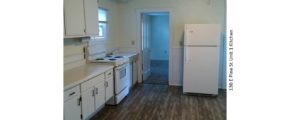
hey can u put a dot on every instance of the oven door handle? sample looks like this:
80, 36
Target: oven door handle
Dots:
122, 66
120, 69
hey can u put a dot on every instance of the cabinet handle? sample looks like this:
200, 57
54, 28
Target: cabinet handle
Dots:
97, 91
72, 93
93, 93
79, 101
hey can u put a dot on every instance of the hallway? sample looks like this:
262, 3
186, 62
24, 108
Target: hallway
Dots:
159, 72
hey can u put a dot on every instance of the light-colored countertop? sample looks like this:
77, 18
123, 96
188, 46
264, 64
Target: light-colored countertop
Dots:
83, 73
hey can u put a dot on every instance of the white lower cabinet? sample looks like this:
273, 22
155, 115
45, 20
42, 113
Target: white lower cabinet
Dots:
99, 95
88, 101
72, 104
93, 96
72, 109
109, 85
84, 100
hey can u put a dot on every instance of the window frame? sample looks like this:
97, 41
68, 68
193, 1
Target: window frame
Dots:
105, 36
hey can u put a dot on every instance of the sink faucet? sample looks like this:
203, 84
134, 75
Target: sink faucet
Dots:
112, 51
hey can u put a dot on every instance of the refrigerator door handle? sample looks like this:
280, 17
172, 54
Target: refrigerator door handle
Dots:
185, 54
185, 45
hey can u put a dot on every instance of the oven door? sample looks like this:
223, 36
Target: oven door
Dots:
121, 78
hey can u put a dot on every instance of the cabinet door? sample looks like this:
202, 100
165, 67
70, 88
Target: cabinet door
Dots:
91, 17
72, 109
99, 95
88, 101
74, 17
109, 88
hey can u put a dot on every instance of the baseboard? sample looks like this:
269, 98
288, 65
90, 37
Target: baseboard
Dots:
174, 84
223, 88
159, 60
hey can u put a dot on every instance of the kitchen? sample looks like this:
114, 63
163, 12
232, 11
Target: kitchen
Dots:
66, 71
93, 57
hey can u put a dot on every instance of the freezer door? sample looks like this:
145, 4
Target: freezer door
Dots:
202, 34
200, 73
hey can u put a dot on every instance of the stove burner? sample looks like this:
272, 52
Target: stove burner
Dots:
100, 59
109, 56
118, 56
112, 59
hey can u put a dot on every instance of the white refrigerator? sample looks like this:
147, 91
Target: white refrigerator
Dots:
201, 58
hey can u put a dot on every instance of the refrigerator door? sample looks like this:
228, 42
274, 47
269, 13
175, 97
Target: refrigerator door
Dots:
200, 73
202, 35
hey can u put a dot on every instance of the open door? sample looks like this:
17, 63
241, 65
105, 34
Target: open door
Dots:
145, 47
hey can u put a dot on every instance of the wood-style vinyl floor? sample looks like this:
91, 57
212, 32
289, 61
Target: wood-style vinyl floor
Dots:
162, 102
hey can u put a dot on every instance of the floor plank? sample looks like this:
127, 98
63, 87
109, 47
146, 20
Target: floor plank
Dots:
163, 102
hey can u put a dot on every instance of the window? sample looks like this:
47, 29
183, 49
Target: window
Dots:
103, 21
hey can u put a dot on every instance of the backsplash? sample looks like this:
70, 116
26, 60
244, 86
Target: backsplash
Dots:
95, 49
78, 50
73, 53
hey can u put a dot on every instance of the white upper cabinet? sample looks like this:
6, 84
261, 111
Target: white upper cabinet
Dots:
80, 18
74, 18
91, 17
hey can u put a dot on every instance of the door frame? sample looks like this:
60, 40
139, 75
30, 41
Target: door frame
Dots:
139, 13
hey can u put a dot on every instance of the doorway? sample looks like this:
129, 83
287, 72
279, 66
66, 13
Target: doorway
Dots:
155, 47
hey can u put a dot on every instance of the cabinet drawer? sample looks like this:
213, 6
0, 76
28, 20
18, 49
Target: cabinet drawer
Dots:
90, 83
109, 74
71, 93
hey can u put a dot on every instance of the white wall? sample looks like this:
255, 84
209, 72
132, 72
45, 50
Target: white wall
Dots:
159, 37
183, 11
113, 39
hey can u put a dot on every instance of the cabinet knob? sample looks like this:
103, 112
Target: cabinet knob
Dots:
72, 93
97, 91
93, 93
79, 101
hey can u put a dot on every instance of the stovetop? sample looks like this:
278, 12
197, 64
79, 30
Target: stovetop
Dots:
112, 59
